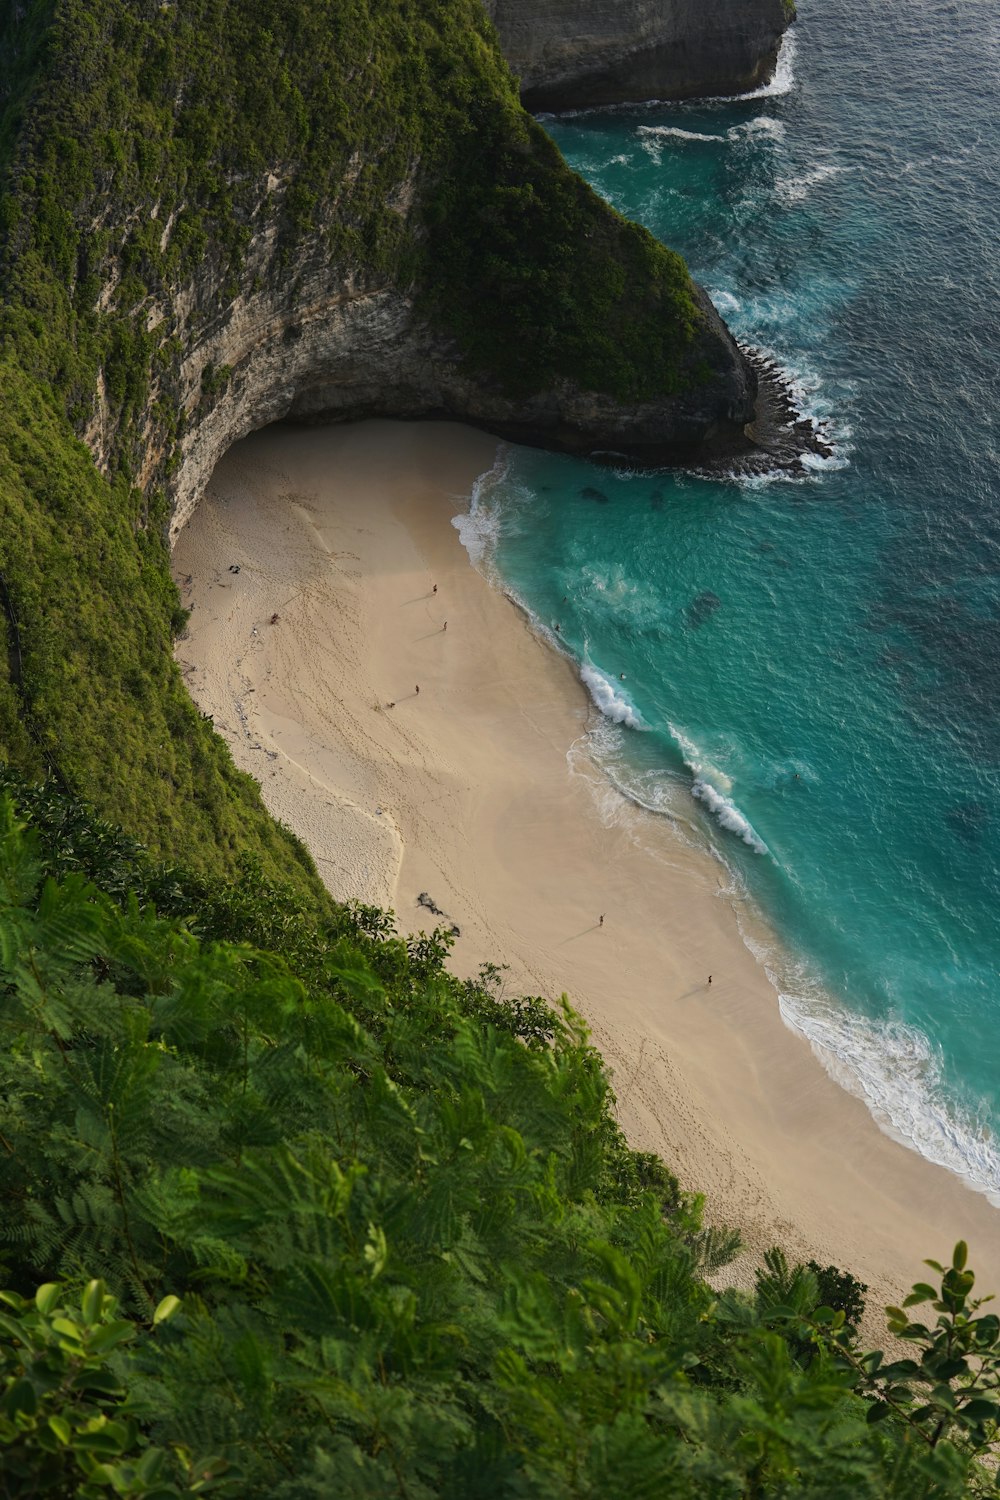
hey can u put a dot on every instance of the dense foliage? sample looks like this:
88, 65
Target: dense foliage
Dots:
361, 1228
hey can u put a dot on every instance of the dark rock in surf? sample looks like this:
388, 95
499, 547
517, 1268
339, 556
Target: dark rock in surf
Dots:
702, 608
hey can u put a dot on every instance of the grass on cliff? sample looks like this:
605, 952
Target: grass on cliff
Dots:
92, 694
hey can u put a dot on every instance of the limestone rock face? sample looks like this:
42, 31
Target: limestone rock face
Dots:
304, 346
571, 54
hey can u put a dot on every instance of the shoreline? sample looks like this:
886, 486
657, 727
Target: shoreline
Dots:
463, 793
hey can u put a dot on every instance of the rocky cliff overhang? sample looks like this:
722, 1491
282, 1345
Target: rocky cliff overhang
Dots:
298, 346
573, 54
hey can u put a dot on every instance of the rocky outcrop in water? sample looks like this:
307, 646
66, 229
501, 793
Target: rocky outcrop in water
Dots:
570, 54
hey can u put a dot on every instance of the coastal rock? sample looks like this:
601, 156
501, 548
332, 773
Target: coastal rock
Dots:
300, 342
572, 54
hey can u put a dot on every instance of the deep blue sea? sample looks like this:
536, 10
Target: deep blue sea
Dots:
812, 664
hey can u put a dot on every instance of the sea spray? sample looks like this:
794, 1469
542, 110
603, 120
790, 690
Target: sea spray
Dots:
727, 814
613, 702
783, 80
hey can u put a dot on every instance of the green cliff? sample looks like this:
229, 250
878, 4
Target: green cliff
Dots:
213, 216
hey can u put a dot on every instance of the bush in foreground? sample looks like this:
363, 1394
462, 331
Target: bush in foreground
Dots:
412, 1253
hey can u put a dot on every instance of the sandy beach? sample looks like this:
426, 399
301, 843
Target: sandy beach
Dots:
464, 790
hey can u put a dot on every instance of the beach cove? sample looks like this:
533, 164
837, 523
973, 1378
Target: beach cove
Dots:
469, 792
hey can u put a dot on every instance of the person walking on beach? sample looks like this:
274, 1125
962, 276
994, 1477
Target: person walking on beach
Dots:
710, 979
417, 689
601, 921
434, 589
445, 625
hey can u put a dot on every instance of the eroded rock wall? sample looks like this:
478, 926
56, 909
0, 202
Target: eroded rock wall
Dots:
575, 53
306, 344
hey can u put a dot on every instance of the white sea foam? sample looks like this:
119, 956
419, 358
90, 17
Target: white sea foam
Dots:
797, 189
781, 83
610, 698
784, 73
815, 405
697, 764
712, 787
725, 302
624, 797
896, 1071
674, 132
728, 815
479, 527
891, 1066
760, 126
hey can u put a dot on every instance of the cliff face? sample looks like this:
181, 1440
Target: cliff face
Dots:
575, 53
299, 346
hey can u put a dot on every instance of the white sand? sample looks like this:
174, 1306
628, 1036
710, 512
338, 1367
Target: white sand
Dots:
464, 791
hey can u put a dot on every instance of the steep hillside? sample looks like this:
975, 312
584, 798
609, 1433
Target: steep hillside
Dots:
290, 1212
213, 216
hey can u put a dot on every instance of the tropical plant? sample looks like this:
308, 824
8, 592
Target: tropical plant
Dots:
414, 1255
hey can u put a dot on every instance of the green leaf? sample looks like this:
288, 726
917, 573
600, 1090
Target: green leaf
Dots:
166, 1309
92, 1302
960, 1255
987, 1330
61, 1428
110, 1335
47, 1297
21, 1399
981, 1410
150, 1465
919, 1294
900, 1369
68, 1329
104, 1442
878, 1412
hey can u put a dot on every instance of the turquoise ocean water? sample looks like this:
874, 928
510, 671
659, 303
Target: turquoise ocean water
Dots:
812, 665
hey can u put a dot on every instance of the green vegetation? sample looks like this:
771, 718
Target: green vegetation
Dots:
358, 1227
583, 295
